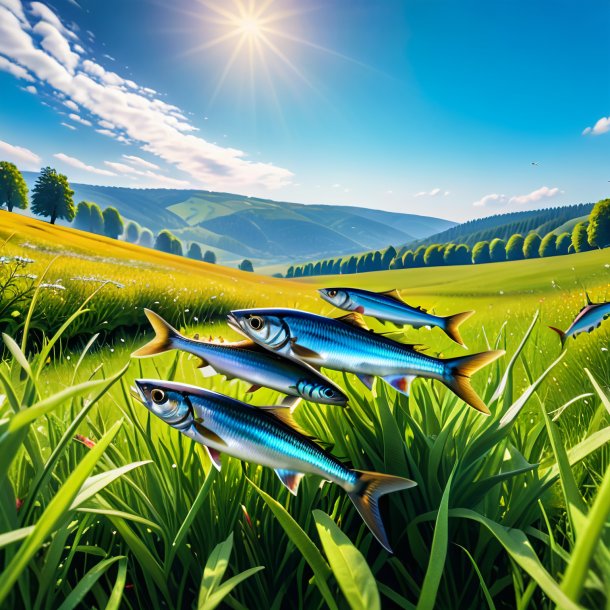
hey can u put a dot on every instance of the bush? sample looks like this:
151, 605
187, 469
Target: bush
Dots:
531, 246
497, 250
209, 257
132, 232
564, 241
113, 223
246, 265
195, 252
146, 238
580, 239
480, 253
434, 255
598, 231
514, 248
548, 246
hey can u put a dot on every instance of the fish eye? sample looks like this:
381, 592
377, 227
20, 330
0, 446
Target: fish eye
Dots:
329, 393
256, 322
158, 396
332, 293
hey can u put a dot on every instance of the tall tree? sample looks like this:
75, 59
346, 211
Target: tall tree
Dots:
246, 265
176, 246
82, 219
52, 196
96, 220
387, 256
580, 239
209, 257
407, 259
195, 252
564, 241
13, 189
163, 243
290, 272
418, 256
434, 255
497, 250
514, 247
132, 232
548, 245
598, 231
113, 223
146, 238
480, 253
462, 256
531, 246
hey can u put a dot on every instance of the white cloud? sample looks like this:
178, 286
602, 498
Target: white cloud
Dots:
141, 162
78, 164
69, 126
122, 168
543, 192
156, 179
602, 126
16, 8
433, 193
14, 69
54, 43
159, 128
71, 105
22, 157
77, 119
497, 200
31, 89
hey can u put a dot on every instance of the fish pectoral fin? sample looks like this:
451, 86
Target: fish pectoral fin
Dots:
254, 387
208, 434
290, 479
354, 319
367, 380
215, 456
290, 402
303, 352
401, 383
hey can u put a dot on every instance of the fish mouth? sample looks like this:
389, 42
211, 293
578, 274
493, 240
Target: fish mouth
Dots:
136, 393
234, 323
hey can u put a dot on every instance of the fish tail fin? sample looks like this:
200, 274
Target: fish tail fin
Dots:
561, 334
452, 324
369, 487
163, 339
458, 373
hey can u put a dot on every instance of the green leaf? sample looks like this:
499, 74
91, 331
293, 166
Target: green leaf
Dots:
86, 582
226, 587
114, 601
56, 510
303, 542
438, 553
587, 541
348, 565
605, 400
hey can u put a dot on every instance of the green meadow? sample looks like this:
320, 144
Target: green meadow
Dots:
104, 506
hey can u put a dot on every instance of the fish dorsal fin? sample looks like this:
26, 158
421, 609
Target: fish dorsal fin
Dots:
208, 434
354, 319
290, 479
589, 301
286, 416
393, 294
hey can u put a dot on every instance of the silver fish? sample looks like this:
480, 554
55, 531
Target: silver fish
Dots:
389, 306
266, 436
588, 319
248, 361
346, 344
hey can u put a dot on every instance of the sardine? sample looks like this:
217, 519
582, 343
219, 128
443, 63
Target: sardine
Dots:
346, 344
266, 436
390, 307
588, 319
248, 361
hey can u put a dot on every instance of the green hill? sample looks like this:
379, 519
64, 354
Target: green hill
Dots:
266, 231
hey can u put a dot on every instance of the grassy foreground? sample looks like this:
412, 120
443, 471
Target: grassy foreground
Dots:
103, 506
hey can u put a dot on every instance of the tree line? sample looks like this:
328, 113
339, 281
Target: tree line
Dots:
588, 235
52, 197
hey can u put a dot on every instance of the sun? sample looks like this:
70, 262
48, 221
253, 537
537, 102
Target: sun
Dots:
250, 27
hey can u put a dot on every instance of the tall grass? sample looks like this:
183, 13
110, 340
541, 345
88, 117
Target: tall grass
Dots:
104, 505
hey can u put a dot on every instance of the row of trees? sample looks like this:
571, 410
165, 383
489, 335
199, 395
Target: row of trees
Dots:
52, 197
594, 233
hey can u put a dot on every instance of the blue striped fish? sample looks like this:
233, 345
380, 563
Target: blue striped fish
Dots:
248, 361
268, 436
346, 344
588, 319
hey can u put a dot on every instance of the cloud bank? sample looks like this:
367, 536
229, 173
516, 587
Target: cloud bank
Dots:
602, 126
23, 157
498, 200
35, 46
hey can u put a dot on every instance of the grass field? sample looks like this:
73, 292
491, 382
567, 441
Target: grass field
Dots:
510, 511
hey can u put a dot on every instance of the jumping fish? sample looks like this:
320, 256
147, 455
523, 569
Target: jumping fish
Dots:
588, 319
346, 344
266, 436
390, 307
248, 361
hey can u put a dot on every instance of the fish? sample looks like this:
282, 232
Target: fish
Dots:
249, 361
390, 307
346, 344
588, 319
268, 436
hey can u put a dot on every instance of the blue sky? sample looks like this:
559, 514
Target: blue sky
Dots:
433, 107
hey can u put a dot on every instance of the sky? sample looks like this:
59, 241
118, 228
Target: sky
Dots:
436, 107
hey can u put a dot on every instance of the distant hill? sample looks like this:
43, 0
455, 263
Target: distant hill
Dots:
264, 230
557, 219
